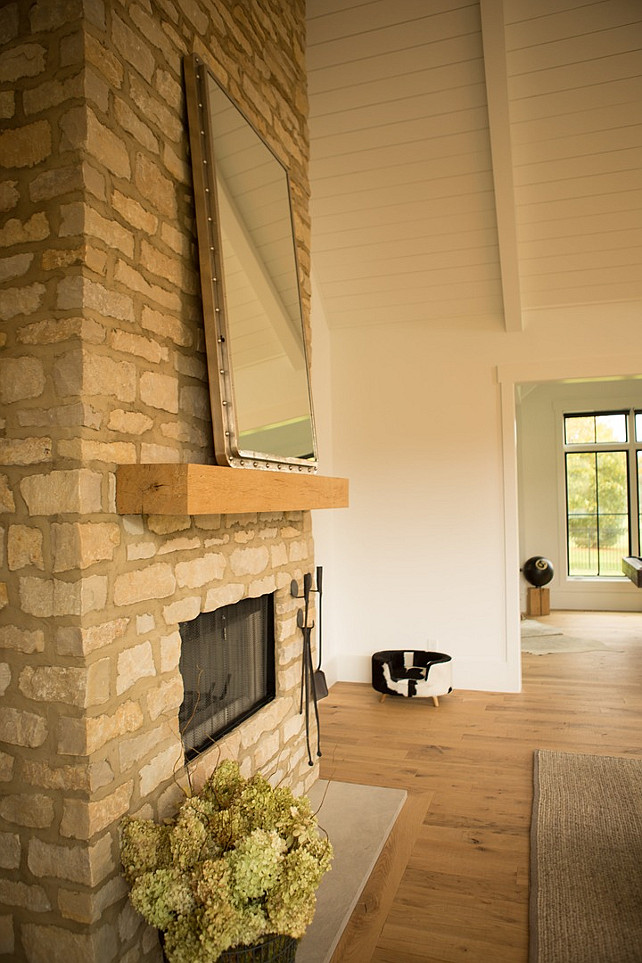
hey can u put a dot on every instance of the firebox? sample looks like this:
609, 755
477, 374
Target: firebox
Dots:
227, 664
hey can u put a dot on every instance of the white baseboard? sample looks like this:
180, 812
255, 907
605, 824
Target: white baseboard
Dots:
598, 598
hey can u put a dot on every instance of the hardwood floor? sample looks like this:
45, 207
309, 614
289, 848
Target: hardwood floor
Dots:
452, 882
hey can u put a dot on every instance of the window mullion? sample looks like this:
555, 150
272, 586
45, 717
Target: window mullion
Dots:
597, 512
634, 506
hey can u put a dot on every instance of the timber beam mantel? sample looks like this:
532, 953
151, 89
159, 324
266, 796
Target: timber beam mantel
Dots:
190, 489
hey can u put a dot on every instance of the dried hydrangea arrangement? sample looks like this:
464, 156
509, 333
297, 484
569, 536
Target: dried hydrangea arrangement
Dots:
240, 860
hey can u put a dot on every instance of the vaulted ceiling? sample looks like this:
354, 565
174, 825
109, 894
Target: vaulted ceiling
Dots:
474, 162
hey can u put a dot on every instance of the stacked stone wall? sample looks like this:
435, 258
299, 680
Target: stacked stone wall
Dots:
103, 363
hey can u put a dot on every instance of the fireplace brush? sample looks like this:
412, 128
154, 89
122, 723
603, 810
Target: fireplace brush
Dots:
320, 681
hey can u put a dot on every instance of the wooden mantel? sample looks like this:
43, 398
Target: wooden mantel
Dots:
169, 489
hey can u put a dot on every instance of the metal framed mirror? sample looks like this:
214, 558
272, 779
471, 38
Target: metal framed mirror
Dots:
258, 370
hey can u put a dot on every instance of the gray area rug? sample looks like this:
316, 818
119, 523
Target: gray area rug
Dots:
586, 859
531, 629
540, 639
560, 643
358, 821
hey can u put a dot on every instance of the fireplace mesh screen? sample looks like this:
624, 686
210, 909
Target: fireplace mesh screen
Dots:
227, 664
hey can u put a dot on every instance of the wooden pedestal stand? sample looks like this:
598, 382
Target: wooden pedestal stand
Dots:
538, 601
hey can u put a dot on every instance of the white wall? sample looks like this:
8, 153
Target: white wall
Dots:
324, 522
417, 420
541, 491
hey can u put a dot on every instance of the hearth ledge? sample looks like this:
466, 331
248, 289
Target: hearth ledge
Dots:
191, 489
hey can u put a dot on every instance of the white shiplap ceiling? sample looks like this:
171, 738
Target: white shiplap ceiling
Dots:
471, 162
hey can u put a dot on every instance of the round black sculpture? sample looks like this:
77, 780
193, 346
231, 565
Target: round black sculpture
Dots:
538, 570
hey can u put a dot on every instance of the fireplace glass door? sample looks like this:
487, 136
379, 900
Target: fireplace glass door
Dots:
227, 664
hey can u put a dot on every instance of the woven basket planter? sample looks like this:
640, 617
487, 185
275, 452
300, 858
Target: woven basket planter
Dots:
271, 949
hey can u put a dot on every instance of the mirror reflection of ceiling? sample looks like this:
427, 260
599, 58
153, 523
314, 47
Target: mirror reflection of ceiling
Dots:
260, 272
414, 218
263, 311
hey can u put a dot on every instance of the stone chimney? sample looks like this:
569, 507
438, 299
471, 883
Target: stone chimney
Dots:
103, 364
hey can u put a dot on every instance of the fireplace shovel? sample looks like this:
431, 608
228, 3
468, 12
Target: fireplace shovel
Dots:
320, 681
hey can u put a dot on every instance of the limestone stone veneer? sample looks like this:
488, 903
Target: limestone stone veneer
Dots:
102, 364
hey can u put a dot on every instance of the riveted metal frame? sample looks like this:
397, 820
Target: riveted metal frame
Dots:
221, 378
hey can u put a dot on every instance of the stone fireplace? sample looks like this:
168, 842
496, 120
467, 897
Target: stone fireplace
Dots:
103, 365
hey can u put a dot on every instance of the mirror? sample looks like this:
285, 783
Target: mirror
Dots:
258, 370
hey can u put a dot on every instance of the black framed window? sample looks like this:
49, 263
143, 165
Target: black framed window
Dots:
603, 473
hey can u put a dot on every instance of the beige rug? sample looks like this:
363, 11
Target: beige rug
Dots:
541, 639
358, 821
560, 643
586, 859
531, 628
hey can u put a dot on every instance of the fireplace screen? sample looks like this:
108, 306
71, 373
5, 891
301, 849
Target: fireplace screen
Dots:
227, 664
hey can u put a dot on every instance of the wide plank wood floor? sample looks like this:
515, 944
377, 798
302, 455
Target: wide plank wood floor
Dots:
451, 885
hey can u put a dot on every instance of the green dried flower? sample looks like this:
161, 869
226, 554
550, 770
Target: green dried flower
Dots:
239, 861
255, 865
144, 847
161, 896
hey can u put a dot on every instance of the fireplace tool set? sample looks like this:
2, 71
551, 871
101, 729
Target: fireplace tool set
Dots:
313, 681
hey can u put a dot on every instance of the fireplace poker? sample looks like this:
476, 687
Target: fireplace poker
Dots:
300, 621
308, 685
310, 688
305, 675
